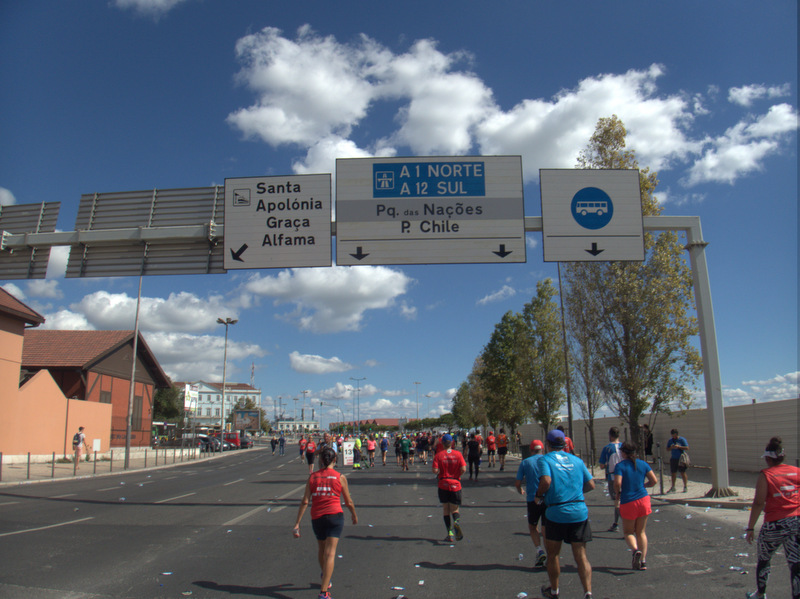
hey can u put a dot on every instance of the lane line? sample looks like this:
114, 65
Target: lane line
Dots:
233, 482
10, 503
19, 532
263, 507
64, 495
174, 498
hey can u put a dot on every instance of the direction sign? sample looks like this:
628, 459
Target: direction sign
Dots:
429, 210
278, 222
591, 215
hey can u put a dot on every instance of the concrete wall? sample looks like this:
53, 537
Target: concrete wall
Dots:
748, 429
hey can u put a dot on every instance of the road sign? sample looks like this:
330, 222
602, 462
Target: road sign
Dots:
278, 222
591, 215
429, 210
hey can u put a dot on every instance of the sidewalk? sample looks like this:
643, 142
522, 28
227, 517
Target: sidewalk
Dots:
741, 483
15, 470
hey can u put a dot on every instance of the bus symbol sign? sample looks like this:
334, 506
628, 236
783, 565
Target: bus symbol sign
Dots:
592, 208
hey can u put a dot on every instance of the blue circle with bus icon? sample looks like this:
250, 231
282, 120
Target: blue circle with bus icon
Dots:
592, 208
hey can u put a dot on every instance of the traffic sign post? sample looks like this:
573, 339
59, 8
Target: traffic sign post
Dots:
278, 222
592, 215
429, 210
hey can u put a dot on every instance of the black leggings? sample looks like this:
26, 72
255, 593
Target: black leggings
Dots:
474, 460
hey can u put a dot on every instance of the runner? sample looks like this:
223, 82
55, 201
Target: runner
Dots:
371, 450
564, 480
384, 448
491, 448
311, 449
325, 489
631, 477
778, 496
502, 448
302, 444
530, 474
448, 466
405, 446
474, 451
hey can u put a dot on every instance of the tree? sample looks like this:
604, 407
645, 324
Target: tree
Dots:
641, 324
469, 402
168, 404
501, 375
583, 358
540, 363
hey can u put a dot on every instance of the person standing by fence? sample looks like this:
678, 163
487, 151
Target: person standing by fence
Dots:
78, 445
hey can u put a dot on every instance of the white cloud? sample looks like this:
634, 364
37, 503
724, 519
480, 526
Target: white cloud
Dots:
504, 292
329, 300
44, 288
747, 94
313, 364
443, 108
153, 8
67, 320
57, 265
182, 311
743, 147
6, 197
14, 290
186, 357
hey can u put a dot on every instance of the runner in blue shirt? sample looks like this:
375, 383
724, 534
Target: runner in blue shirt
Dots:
564, 480
529, 472
609, 456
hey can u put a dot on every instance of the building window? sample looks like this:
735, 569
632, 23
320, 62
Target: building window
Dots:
105, 396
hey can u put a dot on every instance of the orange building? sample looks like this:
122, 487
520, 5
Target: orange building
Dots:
52, 382
95, 366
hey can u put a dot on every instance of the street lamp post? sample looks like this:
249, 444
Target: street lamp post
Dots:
227, 322
358, 400
417, 383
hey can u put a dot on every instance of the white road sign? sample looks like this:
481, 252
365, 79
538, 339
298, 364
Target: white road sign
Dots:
591, 215
278, 222
429, 210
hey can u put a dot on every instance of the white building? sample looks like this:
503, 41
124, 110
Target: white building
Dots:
207, 410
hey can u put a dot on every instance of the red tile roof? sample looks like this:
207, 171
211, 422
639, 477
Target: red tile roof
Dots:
13, 307
81, 349
50, 349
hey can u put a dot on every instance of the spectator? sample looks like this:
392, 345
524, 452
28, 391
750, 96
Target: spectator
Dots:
678, 446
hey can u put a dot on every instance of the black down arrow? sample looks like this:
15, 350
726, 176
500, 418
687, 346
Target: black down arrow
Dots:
359, 255
502, 251
594, 251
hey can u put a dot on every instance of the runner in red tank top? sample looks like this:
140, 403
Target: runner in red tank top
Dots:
449, 465
325, 490
778, 496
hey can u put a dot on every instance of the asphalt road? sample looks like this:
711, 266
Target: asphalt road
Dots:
222, 528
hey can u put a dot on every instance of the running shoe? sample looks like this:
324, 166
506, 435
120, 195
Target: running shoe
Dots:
457, 529
450, 538
548, 593
325, 595
636, 563
614, 527
541, 559
755, 595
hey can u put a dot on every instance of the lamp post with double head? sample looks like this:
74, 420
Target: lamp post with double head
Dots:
227, 322
358, 400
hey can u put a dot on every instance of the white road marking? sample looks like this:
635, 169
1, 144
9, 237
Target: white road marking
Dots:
174, 498
19, 532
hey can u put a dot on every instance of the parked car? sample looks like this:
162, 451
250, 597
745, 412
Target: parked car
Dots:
245, 442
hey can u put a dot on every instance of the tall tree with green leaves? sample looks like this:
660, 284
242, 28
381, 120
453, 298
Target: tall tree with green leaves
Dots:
469, 402
501, 373
168, 404
583, 358
642, 320
540, 363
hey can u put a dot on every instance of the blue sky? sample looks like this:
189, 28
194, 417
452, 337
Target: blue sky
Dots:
104, 96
